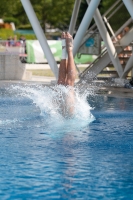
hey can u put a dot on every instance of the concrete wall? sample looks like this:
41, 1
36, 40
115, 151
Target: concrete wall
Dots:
11, 67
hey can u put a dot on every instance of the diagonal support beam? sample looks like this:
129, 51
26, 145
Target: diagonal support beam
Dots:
108, 42
129, 6
40, 36
85, 24
74, 16
128, 67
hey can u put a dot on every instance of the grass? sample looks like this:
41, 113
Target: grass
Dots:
46, 72
49, 73
6, 33
42, 72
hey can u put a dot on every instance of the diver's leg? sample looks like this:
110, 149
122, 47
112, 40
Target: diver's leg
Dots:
63, 63
71, 75
71, 70
62, 72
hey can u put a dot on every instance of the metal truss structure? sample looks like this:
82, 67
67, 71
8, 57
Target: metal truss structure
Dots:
112, 50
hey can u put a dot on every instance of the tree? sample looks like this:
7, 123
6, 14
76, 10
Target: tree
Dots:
121, 16
116, 21
83, 8
55, 13
13, 10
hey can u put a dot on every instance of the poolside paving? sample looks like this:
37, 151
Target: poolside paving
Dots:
100, 87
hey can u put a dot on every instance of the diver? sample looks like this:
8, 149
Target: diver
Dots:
67, 74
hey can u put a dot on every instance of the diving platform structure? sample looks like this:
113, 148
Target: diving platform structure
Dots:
88, 39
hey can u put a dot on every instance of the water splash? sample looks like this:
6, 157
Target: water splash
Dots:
52, 104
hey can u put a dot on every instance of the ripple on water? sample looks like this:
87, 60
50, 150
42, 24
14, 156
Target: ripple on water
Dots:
47, 156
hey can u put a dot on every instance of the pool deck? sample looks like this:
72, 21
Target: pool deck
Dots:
102, 88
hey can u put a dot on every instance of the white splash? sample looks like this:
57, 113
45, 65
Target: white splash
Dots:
51, 101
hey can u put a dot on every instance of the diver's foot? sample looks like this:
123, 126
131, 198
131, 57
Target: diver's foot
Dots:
63, 38
64, 51
69, 42
63, 35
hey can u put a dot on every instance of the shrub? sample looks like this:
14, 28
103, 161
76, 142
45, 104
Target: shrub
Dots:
11, 19
25, 27
5, 33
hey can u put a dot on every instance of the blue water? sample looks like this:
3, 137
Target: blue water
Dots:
44, 156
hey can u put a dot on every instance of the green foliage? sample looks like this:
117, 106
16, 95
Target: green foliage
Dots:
120, 17
118, 20
106, 4
11, 19
83, 8
115, 21
27, 36
6, 33
25, 27
56, 13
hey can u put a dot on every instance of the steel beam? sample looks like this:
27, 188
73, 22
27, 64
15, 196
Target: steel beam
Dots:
85, 24
108, 42
129, 6
40, 36
128, 66
74, 16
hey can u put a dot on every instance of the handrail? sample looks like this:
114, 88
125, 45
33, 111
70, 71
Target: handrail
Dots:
111, 8
95, 61
123, 26
114, 11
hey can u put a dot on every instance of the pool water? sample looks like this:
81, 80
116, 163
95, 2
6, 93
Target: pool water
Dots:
45, 156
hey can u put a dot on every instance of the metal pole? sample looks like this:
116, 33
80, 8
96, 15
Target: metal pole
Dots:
129, 6
111, 8
109, 27
114, 11
108, 42
128, 67
74, 16
85, 24
40, 36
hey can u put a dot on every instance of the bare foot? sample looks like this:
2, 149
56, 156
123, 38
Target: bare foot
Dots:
69, 42
63, 37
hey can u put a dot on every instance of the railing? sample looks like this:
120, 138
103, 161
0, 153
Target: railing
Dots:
16, 47
95, 61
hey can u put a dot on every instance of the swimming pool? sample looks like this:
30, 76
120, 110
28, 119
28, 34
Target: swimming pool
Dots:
44, 156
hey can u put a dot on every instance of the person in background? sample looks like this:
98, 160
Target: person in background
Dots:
10, 41
125, 54
22, 41
16, 42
